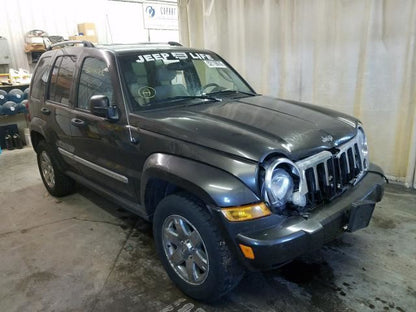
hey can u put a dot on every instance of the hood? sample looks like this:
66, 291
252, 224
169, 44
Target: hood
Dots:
254, 127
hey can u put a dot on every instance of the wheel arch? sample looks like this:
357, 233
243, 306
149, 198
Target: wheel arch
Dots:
36, 132
164, 174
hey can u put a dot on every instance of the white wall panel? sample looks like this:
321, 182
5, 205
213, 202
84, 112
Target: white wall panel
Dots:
125, 22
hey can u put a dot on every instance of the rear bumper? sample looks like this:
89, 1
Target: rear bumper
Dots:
295, 236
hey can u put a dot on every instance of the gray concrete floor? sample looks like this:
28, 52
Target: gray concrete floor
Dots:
83, 253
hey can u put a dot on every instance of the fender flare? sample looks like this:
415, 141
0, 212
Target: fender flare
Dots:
37, 125
210, 184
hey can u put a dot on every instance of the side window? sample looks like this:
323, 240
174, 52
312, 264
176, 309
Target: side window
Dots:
95, 80
61, 80
40, 79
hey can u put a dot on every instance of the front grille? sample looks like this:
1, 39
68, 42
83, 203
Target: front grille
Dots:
326, 175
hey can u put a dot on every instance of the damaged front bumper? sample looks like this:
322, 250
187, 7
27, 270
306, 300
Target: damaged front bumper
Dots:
275, 245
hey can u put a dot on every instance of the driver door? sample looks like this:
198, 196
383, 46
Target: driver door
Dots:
99, 143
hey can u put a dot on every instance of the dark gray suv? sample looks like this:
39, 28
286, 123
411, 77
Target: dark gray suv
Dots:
230, 179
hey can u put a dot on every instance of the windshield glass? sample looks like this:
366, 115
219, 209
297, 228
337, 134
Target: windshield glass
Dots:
157, 80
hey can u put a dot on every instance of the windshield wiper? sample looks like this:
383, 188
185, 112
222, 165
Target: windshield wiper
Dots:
233, 91
187, 97
203, 96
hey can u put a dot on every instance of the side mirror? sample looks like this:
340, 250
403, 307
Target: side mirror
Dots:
100, 106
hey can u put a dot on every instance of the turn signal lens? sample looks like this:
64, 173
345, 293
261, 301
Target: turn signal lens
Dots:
247, 251
244, 213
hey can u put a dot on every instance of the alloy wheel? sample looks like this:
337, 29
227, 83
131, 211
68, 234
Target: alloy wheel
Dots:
47, 169
185, 249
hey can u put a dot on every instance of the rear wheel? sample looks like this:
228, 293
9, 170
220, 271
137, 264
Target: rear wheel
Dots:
192, 249
55, 181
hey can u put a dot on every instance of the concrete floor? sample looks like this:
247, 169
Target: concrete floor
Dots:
83, 253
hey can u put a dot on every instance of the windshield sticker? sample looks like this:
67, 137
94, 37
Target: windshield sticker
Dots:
147, 92
174, 56
215, 64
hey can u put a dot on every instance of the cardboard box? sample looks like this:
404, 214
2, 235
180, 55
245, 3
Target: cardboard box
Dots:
88, 29
92, 39
4, 78
34, 47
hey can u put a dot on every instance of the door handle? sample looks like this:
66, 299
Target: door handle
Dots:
77, 122
45, 111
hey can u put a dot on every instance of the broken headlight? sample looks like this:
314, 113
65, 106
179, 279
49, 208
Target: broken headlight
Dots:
281, 184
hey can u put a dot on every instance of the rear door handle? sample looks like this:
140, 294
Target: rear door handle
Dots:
77, 122
45, 111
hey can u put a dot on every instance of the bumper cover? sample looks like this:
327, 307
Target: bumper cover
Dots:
351, 211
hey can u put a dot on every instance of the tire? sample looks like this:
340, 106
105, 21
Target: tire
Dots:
188, 240
55, 181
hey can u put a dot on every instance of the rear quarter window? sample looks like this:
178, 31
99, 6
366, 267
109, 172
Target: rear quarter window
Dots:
62, 79
40, 78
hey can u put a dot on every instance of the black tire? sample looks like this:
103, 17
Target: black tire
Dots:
223, 271
56, 182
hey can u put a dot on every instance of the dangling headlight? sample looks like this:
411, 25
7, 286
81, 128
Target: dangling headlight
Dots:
279, 184
280, 187
363, 147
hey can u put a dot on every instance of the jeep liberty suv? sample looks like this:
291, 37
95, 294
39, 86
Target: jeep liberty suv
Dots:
230, 179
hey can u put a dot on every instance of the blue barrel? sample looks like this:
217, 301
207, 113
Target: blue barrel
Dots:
15, 95
26, 94
21, 107
9, 108
3, 97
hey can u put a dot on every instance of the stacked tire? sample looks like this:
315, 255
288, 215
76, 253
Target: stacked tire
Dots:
13, 102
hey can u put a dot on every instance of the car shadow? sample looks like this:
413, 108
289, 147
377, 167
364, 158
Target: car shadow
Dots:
305, 284
127, 218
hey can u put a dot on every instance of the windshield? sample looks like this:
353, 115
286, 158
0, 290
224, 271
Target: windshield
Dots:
157, 80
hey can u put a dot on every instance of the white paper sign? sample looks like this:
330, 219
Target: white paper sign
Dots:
160, 16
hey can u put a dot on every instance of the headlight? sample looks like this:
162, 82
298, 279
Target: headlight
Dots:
280, 188
278, 182
363, 147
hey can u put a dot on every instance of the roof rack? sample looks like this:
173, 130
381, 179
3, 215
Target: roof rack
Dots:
63, 44
171, 43
174, 43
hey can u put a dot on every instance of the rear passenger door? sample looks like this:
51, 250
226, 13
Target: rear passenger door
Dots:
99, 144
38, 86
56, 110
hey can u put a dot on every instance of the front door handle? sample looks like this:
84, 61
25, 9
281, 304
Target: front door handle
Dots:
77, 122
45, 111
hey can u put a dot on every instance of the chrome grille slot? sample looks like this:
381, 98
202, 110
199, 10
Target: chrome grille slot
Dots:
326, 175
357, 157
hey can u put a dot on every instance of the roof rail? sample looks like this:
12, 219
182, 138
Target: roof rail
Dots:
174, 43
63, 44
171, 43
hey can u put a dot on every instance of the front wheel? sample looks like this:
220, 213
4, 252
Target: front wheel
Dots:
192, 249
